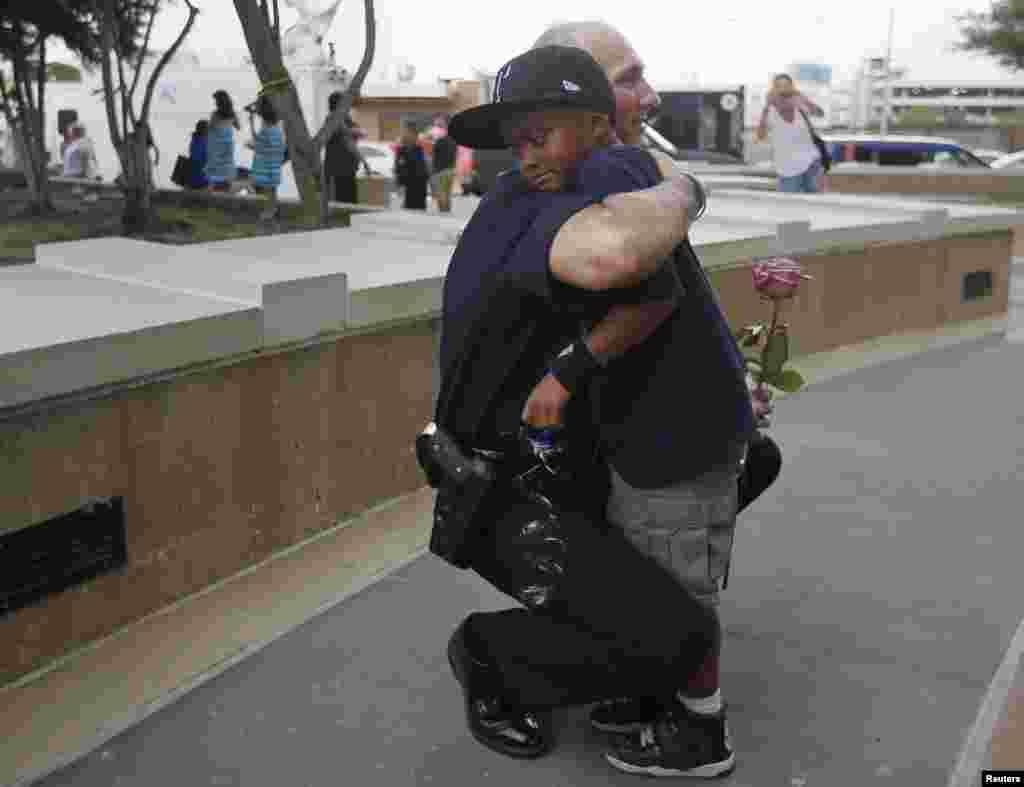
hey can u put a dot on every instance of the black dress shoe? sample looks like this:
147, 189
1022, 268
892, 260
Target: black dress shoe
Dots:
514, 732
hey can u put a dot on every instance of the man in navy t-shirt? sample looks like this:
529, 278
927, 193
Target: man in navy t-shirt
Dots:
535, 259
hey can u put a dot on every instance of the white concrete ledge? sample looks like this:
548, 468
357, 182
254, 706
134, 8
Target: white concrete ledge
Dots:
292, 308
64, 331
389, 278
869, 206
107, 311
410, 225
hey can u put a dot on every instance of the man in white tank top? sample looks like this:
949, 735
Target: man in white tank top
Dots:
784, 123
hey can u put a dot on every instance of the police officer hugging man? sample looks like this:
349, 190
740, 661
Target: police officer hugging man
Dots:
584, 233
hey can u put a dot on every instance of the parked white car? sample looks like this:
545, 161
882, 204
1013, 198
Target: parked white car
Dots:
987, 155
1010, 160
379, 156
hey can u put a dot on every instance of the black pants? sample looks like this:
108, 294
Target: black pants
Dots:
764, 461
618, 624
345, 189
415, 194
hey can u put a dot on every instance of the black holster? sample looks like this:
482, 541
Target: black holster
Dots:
462, 483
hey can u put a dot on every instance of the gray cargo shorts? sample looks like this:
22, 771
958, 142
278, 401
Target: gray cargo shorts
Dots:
688, 527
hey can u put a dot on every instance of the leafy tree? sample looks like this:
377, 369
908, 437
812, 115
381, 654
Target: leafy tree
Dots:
998, 32
261, 25
26, 26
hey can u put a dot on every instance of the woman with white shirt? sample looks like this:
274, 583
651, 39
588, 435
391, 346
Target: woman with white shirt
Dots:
785, 124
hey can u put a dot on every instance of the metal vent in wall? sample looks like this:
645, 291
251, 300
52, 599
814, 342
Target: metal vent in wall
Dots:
51, 556
977, 284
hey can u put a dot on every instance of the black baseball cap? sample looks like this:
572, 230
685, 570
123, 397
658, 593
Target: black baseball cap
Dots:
549, 77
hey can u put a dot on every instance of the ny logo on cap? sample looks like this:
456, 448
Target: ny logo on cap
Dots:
570, 87
499, 82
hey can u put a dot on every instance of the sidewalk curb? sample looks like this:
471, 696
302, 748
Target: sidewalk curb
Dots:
141, 712
975, 751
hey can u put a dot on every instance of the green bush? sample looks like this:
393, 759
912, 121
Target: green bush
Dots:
62, 72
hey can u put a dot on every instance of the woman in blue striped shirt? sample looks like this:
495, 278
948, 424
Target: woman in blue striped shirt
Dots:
268, 154
220, 148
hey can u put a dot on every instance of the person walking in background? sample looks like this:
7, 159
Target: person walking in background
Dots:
221, 169
342, 157
784, 123
197, 155
268, 154
74, 167
411, 170
80, 155
443, 166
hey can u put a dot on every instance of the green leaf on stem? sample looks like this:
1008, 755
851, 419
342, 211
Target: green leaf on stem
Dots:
788, 380
775, 354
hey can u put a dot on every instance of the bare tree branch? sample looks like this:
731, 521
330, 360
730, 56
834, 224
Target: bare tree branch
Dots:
122, 86
39, 114
193, 12
142, 52
335, 122
107, 47
23, 81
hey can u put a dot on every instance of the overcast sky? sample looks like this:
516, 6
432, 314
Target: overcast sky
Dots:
744, 42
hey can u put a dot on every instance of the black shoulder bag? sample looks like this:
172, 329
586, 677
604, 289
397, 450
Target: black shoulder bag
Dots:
819, 143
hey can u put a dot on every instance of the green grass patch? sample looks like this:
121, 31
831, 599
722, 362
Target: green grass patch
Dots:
206, 224
18, 239
200, 223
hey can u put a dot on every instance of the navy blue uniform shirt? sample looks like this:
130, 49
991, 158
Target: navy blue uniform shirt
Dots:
673, 407
502, 321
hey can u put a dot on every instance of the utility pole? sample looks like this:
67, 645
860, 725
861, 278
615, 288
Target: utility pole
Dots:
887, 90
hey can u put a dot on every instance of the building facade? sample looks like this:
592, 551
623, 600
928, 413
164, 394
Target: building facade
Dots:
981, 103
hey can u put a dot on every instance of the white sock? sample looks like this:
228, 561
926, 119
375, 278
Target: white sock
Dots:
706, 706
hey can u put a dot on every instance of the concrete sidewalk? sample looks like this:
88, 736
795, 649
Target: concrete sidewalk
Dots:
875, 590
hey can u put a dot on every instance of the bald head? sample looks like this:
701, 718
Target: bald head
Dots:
575, 34
634, 97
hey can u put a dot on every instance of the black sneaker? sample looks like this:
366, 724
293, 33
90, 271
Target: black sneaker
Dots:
679, 743
514, 732
625, 715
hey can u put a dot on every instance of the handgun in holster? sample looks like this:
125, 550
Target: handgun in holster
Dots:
462, 482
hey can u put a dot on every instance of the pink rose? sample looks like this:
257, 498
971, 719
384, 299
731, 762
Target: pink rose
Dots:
777, 277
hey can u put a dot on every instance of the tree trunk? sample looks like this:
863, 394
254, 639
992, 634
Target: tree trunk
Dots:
29, 135
138, 192
44, 204
266, 56
25, 159
305, 150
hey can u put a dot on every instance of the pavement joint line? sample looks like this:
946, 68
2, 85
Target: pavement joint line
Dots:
142, 711
979, 739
